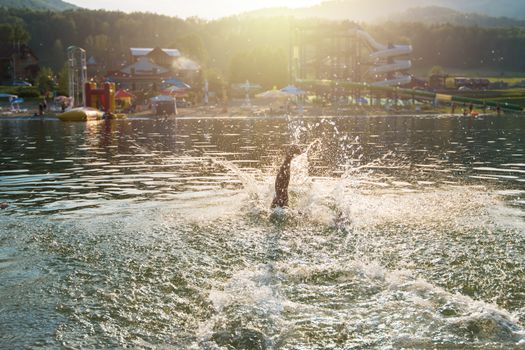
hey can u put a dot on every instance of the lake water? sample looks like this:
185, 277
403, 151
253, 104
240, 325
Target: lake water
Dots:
403, 232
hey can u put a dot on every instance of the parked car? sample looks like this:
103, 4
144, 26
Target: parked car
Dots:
16, 83
21, 83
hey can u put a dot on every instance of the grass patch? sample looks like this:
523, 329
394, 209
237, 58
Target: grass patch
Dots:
20, 91
472, 73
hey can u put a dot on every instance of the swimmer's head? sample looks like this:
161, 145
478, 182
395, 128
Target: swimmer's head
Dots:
293, 150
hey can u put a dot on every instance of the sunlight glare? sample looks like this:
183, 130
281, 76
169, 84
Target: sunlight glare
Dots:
200, 8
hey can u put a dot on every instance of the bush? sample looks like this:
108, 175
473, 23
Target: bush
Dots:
20, 91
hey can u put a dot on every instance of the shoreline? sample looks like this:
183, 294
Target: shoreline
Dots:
243, 113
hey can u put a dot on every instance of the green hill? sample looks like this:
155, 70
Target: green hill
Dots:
442, 15
53, 5
371, 10
499, 8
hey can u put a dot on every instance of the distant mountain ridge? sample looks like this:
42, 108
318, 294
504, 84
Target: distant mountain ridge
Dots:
52, 5
441, 15
371, 10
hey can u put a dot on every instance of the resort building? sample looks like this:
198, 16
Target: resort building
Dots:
163, 57
149, 67
17, 63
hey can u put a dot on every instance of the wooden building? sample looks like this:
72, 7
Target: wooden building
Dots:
149, 67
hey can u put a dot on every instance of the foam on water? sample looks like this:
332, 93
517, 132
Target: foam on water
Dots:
347, 295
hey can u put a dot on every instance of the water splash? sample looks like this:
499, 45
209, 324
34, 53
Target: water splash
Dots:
373, 253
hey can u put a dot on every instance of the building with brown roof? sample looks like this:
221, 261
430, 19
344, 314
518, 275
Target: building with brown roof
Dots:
149, 67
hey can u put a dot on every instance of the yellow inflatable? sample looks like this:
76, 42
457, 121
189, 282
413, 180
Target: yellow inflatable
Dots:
84, 114
81, 114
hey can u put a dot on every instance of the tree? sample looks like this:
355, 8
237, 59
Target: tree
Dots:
63, 81
14, 33
436, 70
45, 80
98, 46
263, 65
19, 34
58, 55
192, 46
215, 79
246, 47
6, 33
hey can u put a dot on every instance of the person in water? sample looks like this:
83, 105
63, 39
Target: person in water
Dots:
283, 178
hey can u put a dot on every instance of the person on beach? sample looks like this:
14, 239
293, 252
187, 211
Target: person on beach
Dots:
283, 178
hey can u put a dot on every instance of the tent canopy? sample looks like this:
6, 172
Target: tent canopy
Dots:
8, 96
17, 101
122, 94
177, 83
175, 91
272, 94
293, 90
162, 98
246, 86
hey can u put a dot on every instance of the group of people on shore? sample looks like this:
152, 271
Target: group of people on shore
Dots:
470, 111
42, 107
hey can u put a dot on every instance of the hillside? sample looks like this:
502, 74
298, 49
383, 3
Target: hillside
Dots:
441, 15
372, 10
53, 5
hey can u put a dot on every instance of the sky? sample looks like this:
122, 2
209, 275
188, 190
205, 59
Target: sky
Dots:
184, 8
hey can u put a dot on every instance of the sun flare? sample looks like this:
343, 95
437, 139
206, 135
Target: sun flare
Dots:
200, 8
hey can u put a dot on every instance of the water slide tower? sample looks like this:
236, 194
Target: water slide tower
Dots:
77, 73
327, 51
344, 52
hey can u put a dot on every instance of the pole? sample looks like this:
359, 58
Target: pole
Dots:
14, 69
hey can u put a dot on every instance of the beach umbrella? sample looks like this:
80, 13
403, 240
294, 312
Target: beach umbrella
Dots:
293, 90
272, 94
175, 91
17, 101
8, 96
248, 86
162, 98
176, 82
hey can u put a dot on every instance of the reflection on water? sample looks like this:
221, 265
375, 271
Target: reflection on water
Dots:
404, 232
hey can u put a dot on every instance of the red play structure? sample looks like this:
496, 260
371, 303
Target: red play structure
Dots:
101, 98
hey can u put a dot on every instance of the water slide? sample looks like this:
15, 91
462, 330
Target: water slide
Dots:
411, 93
398, 81
383, 52
398, 65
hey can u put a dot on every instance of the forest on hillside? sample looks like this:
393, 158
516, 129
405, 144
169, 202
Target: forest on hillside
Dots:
245, 47
53, 5
374, 10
